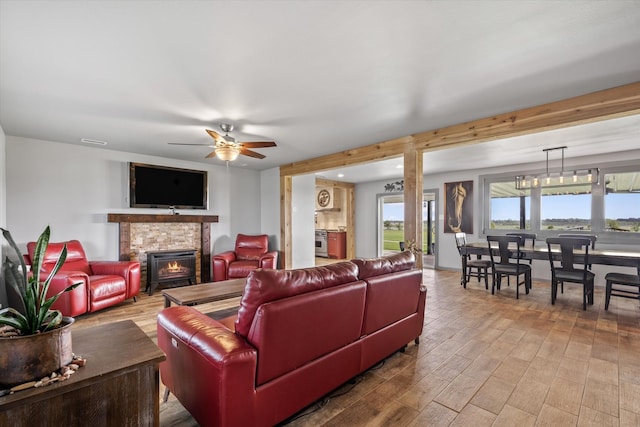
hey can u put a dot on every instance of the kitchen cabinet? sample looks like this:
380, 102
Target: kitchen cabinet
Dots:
337, 244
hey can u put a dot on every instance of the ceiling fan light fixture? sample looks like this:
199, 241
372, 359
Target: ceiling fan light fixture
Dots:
228, 154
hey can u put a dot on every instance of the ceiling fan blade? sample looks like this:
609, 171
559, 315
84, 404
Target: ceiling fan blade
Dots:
215, 135
251, 153
180, 143
210, 155
260, 144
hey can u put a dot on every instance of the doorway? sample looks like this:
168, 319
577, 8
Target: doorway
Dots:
391, 225
429, 228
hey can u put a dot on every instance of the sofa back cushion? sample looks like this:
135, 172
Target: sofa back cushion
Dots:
76, 258
265, 285
251, 248
391, 297
291, 332
384, 265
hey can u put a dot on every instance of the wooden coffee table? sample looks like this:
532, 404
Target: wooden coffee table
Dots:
204, 292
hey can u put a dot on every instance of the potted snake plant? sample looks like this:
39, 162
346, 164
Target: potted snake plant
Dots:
36, 339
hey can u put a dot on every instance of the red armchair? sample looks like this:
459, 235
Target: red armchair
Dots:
104, 283
251, 252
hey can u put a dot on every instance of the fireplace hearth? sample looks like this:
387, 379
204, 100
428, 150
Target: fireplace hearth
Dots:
175, 268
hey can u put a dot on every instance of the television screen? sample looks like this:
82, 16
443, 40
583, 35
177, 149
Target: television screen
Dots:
164, 187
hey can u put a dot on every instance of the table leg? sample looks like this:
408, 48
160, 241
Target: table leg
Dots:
167, 302
463, 279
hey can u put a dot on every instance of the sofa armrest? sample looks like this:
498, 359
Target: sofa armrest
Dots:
227, 257
130, 270
269, 260
220, 264
74, 302
209, 368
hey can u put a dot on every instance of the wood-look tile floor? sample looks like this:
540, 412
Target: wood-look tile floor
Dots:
483, 360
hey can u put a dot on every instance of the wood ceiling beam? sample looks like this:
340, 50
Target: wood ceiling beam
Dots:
381, 151
602, 105
605, 104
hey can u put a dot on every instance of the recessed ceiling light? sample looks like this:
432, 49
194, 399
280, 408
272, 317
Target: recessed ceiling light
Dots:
400, 167
340, 175
93, 141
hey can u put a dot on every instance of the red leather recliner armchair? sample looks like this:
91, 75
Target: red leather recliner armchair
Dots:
104, 283
251, 252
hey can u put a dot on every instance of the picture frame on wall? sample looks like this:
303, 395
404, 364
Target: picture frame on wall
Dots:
458, 208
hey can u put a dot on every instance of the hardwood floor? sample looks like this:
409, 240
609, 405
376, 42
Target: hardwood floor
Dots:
482, 360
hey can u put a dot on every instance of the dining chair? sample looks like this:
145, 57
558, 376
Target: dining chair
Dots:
474, 267
622, 285
591, 237
564, 251
501, 264
529, 241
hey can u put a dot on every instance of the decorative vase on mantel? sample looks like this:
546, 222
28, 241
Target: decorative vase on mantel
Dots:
41, 341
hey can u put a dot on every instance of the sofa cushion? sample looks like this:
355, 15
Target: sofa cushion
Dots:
291, 332
269, 285
239, 269
103, 287
391, 297
384, 265
251, 248
76, 258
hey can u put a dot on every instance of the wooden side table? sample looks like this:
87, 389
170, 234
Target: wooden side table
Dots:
119, 385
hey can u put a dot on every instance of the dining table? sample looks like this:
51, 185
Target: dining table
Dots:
617, 257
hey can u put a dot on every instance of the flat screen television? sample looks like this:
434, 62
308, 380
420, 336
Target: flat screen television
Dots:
153, 186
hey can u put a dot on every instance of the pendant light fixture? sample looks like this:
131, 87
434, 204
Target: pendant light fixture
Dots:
557, 178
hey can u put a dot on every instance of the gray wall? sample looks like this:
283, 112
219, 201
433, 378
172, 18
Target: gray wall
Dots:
72, 188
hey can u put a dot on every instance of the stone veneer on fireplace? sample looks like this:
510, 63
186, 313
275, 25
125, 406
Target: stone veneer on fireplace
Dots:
140, 233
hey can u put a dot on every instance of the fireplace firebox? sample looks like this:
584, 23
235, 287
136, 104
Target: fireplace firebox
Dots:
176, 267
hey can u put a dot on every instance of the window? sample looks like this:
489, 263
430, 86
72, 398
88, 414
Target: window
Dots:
509, 208
622, 202
565, 208
609, 208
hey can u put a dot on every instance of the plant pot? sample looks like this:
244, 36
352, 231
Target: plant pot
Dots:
32, 357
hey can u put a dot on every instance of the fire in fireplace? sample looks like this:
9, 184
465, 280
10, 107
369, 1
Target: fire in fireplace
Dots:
177, 267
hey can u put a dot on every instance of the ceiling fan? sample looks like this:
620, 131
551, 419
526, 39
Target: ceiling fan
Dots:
227, 148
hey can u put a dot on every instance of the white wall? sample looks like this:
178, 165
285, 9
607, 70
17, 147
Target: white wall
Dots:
3, 209
270, 208
72, 188
366, 210
302, 221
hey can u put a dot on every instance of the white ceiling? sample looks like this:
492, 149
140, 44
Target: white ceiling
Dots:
317, 77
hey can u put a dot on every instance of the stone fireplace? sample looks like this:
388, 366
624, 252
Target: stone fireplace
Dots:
140, 234
177, 268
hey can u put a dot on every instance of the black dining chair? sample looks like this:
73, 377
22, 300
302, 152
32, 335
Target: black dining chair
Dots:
509, 247
622, 285
591, 237
474, 267
563, 259
529, 241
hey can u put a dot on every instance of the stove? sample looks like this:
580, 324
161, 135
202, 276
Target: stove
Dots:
321, 244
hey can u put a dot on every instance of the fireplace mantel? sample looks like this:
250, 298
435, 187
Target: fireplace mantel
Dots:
114, 217
125, 221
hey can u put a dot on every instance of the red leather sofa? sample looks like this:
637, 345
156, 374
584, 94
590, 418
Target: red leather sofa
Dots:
298, 335
104, 283
250, 252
